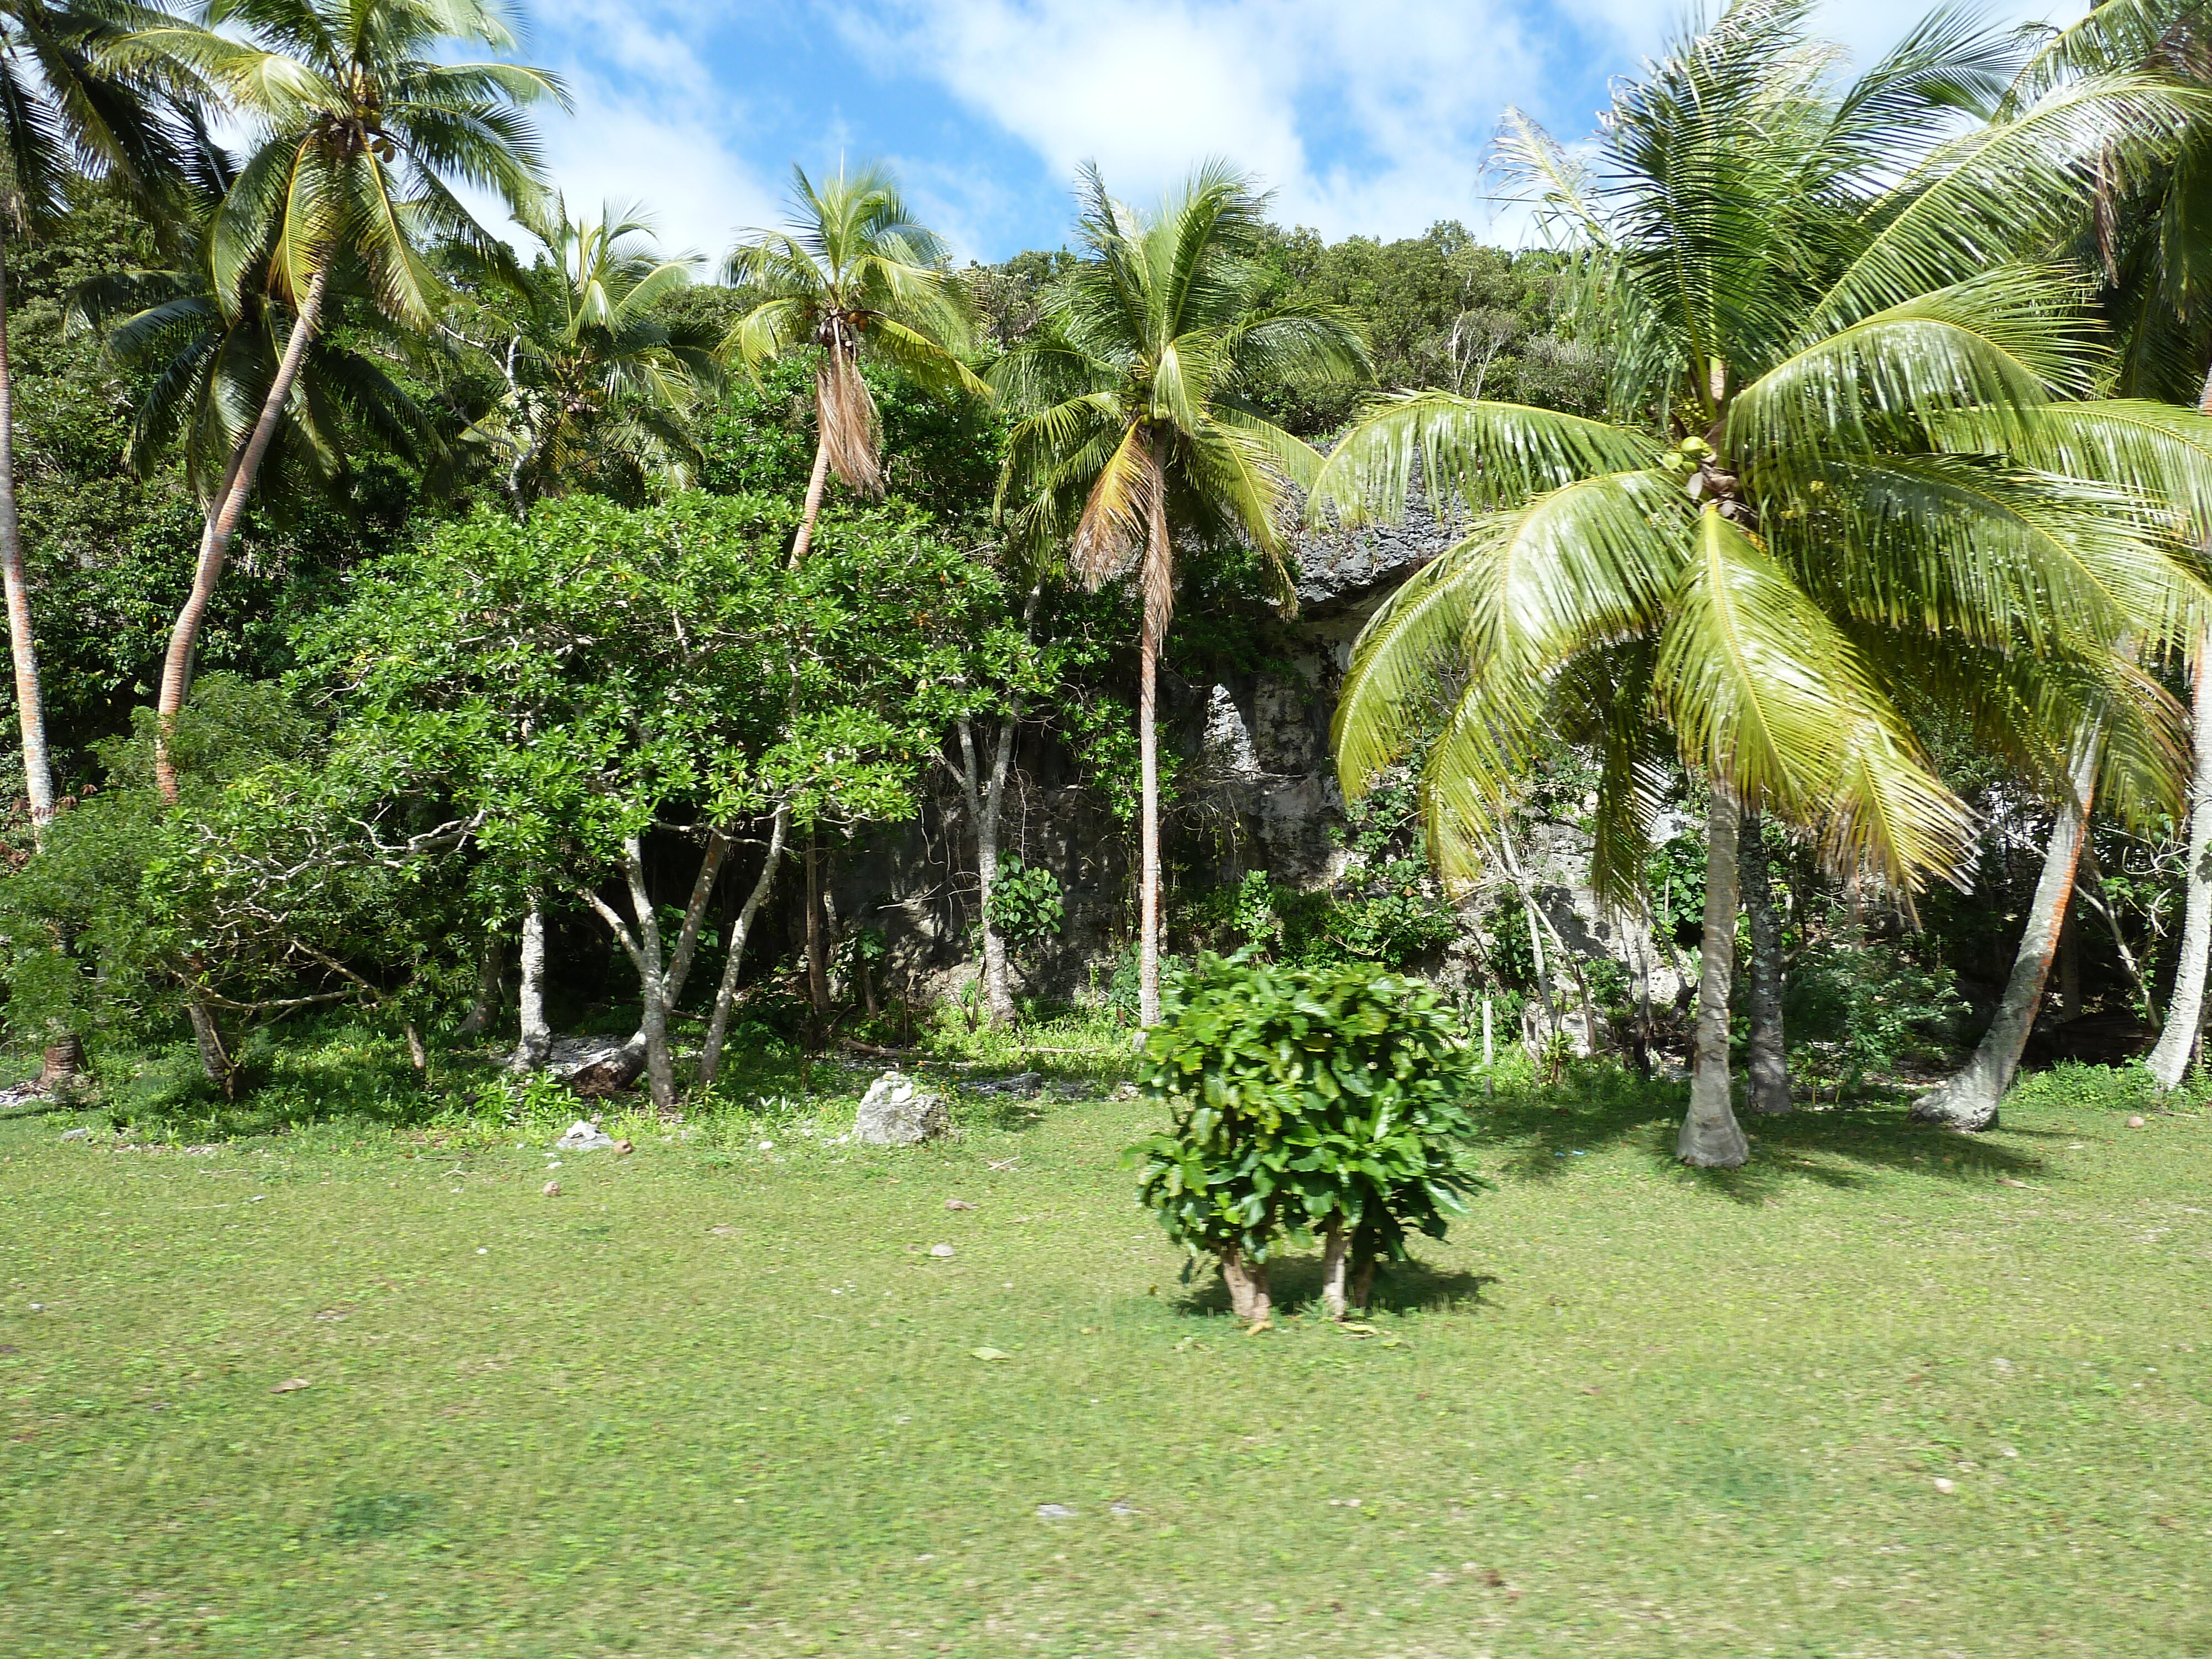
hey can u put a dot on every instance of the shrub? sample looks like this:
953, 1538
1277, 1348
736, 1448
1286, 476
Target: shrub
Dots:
1305, 1101
2079, 1084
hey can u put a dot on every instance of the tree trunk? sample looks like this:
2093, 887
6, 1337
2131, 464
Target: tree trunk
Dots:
537, 1038
1766, 1066
1247, 1279
816, 482
221, 526
817, 943
652, 980
2185, 1009
717, 1024
1335, 1260
1969, 1101
30, 701
491, 968
1711, 1138
1148, 877
1361, 1290
215, 1053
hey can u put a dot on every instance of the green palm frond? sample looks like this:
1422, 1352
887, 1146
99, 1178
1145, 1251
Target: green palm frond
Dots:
1481, 454
2006, 340
1762, 689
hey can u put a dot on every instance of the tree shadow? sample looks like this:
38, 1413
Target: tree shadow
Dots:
1294, 1283
1549, 1132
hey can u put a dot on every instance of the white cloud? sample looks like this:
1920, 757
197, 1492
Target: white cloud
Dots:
1373, 119
1362, 118
652, 123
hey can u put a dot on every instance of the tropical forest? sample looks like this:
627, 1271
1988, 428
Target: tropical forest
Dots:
1477, 942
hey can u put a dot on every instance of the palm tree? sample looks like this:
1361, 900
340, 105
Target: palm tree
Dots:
1847, 472
1135, 434
851, 273
2143, 232
359, 125
210, 366
64, 115
2149, 235
600, 384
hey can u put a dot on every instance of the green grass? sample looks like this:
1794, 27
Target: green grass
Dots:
718, 1400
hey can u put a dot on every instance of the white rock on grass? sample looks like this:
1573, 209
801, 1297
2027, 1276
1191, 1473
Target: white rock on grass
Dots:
584, 1137
897, 1111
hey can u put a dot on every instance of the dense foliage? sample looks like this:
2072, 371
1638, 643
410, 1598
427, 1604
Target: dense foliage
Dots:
1304, 1101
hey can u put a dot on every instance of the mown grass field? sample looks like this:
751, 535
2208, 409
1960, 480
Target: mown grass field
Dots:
718, 1399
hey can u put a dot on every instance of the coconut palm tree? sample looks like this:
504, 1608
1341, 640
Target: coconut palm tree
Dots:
65, 113
599, 384
1844, 475
210, 366
2149, 234
851, 274
2143, 232
360, 129
1134, 434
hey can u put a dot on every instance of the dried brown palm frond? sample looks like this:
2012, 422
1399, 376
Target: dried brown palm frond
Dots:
852, 431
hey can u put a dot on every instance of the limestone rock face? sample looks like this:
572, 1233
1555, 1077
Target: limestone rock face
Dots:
897, 1111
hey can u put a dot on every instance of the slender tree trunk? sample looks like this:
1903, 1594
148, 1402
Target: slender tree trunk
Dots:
2185, 1009
490, 972
30, 700
1969, 1100
221, 526
1148, 877
695, 913
1766, 1066
984, 797
536, 1039
215, 1053
1711, 1138
652, 980
717, 1024
816, 481
817, 943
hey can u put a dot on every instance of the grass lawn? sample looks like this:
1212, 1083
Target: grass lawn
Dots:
722, 1400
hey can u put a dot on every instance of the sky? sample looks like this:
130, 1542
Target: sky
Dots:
1364, 117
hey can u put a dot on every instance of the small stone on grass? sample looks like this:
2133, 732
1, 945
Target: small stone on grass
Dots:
958, 1203
292, 1385
1054, 1512
551, 1189
1945, 1486
940, 1249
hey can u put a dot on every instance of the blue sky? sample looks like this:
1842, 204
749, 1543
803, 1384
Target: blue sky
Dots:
1364, 116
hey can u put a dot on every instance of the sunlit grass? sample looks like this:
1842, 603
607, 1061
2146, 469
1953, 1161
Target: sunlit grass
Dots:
717, 1397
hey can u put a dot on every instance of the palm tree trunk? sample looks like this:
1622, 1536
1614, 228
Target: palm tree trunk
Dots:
30, 701
1711, 1138
2185, 1009
1148, 877
536, 1039
717, 1024
1969, 1100
816, 482
1766, 1066
221, 526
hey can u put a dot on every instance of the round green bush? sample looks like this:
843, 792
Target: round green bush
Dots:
1305, 1101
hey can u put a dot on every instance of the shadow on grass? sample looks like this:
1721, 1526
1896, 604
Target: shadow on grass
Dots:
1846, 1146
1294, 1283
